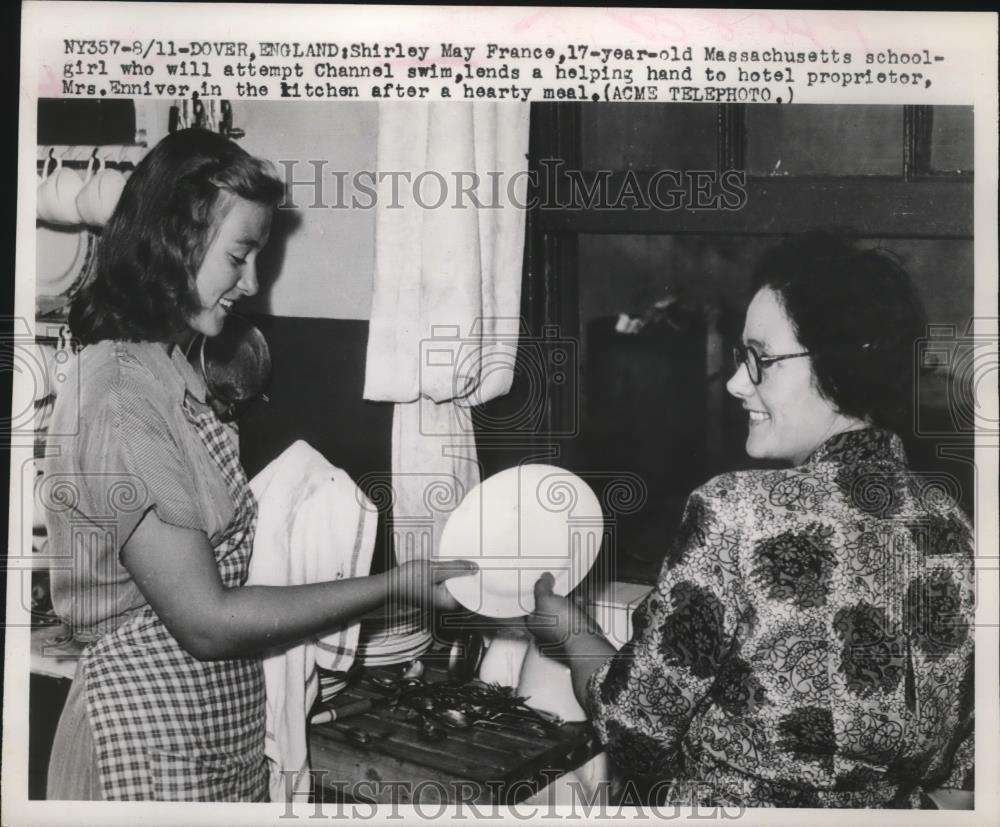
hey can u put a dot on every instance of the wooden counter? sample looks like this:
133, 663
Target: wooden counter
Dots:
474, 765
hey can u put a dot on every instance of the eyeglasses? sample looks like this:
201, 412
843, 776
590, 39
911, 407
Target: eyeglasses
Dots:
756, 363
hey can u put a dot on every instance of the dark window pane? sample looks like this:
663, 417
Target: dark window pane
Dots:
824, 140
951, 139
648, 136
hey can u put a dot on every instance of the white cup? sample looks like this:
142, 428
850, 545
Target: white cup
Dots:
57, 195
43, 179
86, 197
100, 194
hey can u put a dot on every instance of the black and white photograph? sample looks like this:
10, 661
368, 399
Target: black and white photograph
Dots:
495, 425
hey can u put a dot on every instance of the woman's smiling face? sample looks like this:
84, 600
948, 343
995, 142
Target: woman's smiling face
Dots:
789, 418
229, 270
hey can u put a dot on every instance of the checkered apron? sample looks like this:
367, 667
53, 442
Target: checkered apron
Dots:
167, 726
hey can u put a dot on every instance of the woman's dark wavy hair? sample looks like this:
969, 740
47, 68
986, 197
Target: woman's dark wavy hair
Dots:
156, 239
857, 312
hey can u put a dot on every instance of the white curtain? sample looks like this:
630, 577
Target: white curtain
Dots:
449, 244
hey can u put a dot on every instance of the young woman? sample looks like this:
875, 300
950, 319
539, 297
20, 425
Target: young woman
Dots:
155, 516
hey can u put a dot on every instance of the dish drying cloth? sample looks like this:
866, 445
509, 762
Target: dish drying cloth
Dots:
445, 317
314, 524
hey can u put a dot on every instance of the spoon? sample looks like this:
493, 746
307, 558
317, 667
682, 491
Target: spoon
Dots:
429, 732
382, 681
454, 718
423, 703
520, 727
414, 671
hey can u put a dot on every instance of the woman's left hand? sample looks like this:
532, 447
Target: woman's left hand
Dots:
555, 618
559, 622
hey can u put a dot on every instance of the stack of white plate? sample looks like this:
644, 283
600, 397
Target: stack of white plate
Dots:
393, 636
330, 683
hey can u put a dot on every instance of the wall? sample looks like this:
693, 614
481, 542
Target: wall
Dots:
320, 261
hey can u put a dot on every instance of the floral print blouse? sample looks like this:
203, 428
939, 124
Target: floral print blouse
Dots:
809, 642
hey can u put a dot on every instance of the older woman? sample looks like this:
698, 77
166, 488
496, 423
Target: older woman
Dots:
158, 519
809, 641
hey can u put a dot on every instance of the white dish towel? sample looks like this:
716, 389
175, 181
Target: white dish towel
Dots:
313, 524
445, 316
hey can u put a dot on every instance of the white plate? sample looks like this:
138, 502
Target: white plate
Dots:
516, 525
60, 257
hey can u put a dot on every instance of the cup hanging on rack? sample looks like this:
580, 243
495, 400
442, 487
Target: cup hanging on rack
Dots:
101, 191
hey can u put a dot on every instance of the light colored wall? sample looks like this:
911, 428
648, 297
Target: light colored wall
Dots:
320, 262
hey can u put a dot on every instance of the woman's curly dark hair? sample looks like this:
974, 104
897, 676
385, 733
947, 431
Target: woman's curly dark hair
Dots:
857, 312
155, 241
